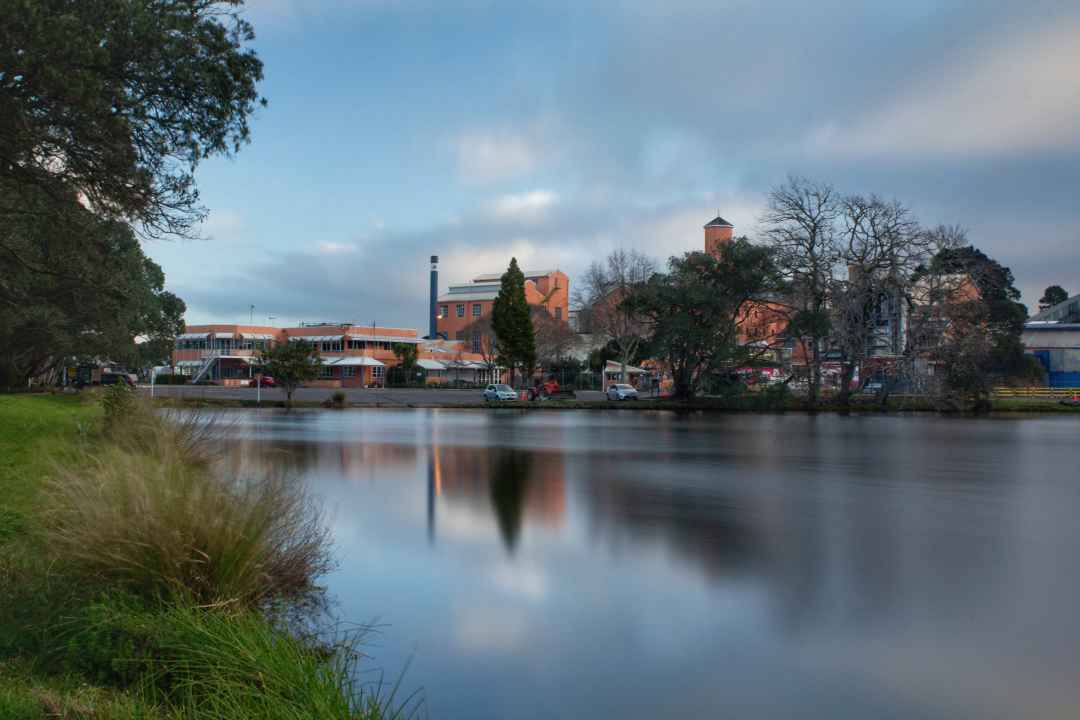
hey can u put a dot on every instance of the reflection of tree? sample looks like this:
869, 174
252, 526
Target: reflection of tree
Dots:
509, 486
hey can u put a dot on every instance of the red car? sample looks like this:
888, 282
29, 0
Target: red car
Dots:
267, 381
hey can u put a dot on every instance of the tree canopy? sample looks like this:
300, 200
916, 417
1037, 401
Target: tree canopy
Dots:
511, 322
1054, 295
291, 364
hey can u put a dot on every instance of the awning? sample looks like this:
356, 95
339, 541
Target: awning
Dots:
193, 336
354, 362
613, 366
315, 338
430, 364
258, 336
385, 338
224, 335
189, 363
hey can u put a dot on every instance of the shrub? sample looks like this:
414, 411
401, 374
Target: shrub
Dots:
152, 513
117, 401
337, 400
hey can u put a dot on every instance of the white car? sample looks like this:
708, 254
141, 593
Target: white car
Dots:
621, 392
499, 392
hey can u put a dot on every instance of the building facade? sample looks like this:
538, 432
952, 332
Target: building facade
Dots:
462, 305
1053, 337
350, 355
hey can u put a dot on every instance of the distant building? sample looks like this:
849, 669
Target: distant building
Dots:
351, 355
1053, 337
462, 305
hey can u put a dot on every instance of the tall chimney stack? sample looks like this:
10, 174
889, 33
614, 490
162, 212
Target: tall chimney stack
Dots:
433, 317
717, 233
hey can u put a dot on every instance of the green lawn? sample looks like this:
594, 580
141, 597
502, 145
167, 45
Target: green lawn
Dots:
30, 426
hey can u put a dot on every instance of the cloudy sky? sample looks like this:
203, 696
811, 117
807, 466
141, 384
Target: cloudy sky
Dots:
556, 131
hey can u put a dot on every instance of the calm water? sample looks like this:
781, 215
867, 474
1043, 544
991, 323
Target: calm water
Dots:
633, 565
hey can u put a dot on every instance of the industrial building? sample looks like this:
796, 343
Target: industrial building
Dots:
1053, 337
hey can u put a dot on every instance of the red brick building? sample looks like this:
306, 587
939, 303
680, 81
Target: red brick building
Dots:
462, 305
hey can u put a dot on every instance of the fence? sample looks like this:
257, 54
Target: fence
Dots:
1036, 393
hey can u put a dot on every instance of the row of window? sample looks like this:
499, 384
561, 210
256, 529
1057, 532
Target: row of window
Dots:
327, 371
335, 346
477, 310
220, 344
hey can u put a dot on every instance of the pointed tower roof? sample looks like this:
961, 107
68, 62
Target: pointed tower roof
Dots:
719, 222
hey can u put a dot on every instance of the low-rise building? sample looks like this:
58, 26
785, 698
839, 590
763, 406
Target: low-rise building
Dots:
1053, 337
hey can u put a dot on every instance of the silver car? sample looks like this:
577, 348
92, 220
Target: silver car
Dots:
499, 392
620, 391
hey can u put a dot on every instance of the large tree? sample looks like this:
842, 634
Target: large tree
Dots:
800, 225
881, 245
693, 311
512, 324
119, 100
600, 300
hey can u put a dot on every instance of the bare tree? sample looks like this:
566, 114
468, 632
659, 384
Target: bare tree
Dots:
554, 338
604, 288
882, 245
479, 338
800, 223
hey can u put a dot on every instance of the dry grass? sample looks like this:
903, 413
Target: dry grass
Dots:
153, 513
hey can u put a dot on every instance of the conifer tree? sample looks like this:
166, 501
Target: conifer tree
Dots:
515, 341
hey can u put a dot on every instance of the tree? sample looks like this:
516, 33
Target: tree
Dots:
119, 100
291, 364
510, 320
554, 338
479, 337
404, 373
1054, 295
693, 311
86, 296
604, 288
882, 246
800, 226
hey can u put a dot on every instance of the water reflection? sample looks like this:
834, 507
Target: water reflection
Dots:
635, 565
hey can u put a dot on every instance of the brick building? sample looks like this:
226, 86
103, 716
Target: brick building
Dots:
462, 305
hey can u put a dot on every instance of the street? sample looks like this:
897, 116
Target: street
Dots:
355, 396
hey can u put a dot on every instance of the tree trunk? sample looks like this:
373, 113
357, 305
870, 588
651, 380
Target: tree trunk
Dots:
846, 377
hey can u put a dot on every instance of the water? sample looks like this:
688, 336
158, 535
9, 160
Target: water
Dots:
639, 565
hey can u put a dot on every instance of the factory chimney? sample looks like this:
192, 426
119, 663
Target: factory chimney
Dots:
433, 326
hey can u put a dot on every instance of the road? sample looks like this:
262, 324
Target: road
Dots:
356, 396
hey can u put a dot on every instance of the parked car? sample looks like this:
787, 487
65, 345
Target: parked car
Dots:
620, 391
267, 381
499, 392
117, 379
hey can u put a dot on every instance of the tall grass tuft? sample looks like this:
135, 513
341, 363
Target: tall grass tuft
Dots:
150, 512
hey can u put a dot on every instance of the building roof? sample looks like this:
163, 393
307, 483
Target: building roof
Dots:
718, 222
430, 364
1068, 310
529, 275
462, 297
353, 361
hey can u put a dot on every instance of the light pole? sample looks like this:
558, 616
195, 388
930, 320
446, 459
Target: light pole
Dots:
251, 318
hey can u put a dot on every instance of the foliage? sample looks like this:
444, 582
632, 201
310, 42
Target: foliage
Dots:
291, 364
1054, 295
74, 286
512, 324
601, 308
554, 338
406, 354
118, 402
119, 100
693, 311
337, 400
152, 514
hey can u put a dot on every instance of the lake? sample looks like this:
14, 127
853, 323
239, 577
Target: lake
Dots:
633, 565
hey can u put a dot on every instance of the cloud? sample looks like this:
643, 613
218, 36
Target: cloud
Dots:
517, 206
1012, 95
483, 157
335, 248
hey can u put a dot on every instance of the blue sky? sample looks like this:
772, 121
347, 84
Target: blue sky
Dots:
557, 131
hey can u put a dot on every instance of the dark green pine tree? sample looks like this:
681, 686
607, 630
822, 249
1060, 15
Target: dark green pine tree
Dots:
515, 342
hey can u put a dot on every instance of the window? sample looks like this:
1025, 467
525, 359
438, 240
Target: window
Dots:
326, 371
331, 346
558, 313
460, 309
377, 372
444, 311
357, 344
349, 370
476, 344
476, 310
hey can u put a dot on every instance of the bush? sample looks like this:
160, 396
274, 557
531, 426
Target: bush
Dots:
337, 400
117, 401
166, 379
153, 514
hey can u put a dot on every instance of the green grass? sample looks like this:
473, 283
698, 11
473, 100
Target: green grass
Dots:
137, 582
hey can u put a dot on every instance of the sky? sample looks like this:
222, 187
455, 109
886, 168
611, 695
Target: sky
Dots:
556, 132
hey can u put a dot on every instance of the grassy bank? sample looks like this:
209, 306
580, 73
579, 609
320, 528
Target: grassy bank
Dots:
139, 581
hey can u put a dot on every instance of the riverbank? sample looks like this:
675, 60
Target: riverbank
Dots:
136, 583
